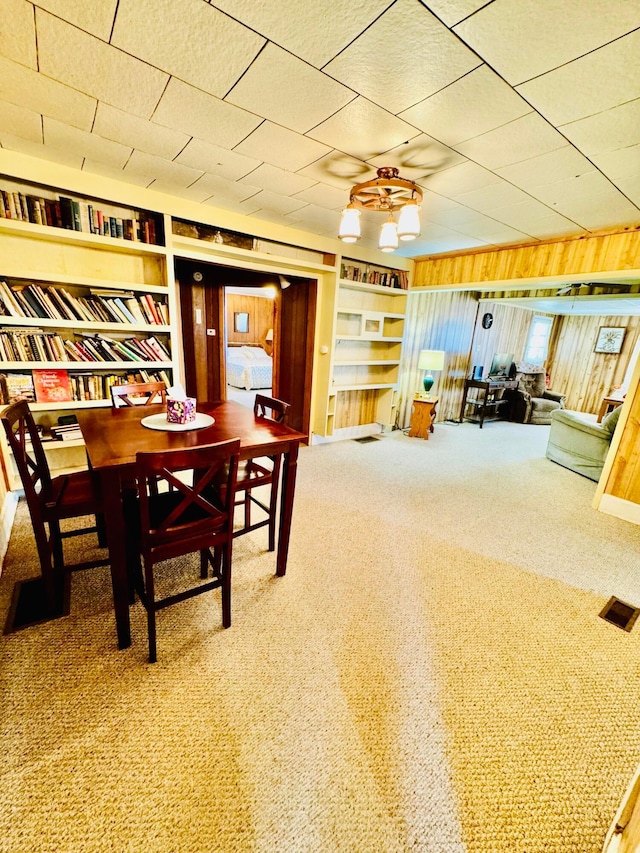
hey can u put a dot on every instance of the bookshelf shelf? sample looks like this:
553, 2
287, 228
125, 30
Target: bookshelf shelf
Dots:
367, 346
45, 271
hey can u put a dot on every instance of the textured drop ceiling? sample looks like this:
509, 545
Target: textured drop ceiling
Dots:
520, 119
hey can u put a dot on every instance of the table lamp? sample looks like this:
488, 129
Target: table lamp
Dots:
430, 359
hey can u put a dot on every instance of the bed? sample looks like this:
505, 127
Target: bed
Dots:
248, 367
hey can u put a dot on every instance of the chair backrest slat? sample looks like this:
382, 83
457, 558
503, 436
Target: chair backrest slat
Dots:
271, 408
138, 394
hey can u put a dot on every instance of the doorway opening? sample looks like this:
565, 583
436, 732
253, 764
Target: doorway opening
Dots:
250, 318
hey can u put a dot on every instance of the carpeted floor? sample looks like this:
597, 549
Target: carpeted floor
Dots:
430, 675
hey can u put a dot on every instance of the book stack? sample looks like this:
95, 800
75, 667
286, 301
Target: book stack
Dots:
66, 432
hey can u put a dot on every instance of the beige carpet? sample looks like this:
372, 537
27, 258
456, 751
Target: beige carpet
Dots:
431, 674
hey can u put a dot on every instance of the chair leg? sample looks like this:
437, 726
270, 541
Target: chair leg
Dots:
226, 586
247, 508
150, 604
204, 564
273, 503
101, 530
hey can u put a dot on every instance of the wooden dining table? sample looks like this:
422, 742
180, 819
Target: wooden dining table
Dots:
114, 436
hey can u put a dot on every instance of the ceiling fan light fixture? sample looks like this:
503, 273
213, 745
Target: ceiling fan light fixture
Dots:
388, 236
387, 193
350, 224
409, 221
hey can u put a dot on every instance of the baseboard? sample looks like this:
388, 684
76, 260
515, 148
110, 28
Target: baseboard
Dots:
626, 510
7, 516
360, 431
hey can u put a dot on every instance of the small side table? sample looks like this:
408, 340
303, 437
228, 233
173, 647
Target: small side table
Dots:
607, 405
423, 415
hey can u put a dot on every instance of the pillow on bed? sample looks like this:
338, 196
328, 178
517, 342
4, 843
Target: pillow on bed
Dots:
254, 354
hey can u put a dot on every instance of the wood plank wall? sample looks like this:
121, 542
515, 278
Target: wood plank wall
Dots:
261, 313
559, 258
452, 321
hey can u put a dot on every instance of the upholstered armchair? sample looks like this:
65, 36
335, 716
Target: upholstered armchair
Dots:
531, 401
577, 442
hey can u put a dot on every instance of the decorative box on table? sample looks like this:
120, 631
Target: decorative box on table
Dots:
181, 411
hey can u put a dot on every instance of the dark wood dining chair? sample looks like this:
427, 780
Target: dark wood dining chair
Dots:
190, 517
50, 501
262, 471
138, 394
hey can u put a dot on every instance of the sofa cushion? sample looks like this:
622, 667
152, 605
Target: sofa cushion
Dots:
611, 421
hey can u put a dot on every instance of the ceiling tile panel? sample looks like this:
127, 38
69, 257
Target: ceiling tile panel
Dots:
279, 146
192, 111
95, 17
247, 207
363, 130
277, 203
324, 196
221, 188
162, 170
338, 170
315, 32
521, 39
460, 179
193, 193
560, 165
43, 152
490, 231
623, 169
607, 131
278, 180
136, 132
603, 79
89, 65
490, 198
519, 140
453, 11
19, 121
589, 200
435, 58
478, 102
420, 157
286, 90
96, 168
23, 87
216, 160
18, 33
60, 135
220, 49
313, 217
436, 239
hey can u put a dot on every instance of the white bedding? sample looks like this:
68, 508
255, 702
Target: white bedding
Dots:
248, 367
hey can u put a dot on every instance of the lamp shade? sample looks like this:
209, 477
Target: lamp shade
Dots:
431, 359
388, 236
350, 225
409, 222
269, 336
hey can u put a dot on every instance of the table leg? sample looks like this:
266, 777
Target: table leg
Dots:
115, 524
289, 470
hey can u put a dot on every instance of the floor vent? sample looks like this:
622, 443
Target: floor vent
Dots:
620, 614
366, 439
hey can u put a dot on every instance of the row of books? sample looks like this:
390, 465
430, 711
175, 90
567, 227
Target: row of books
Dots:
57, 303
61, 386
38, 345
76, 215
383, 278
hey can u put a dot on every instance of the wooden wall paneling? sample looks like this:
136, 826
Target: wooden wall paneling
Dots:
508, 333
578, 256
624, 478
443, 321
261, 317
355, 407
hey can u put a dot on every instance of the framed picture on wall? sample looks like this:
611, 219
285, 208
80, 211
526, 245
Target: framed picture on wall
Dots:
240, 322
610, 339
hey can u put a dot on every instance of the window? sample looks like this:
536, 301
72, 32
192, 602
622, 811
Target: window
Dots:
537, 346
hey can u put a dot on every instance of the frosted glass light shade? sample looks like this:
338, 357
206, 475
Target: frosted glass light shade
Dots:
388, 236
409, 222
350, 225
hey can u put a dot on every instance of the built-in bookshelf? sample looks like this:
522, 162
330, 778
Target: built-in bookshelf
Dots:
22, 202
367, 346
80, 309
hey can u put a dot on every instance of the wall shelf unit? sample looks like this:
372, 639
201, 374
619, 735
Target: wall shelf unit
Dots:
367, 347
80, 309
